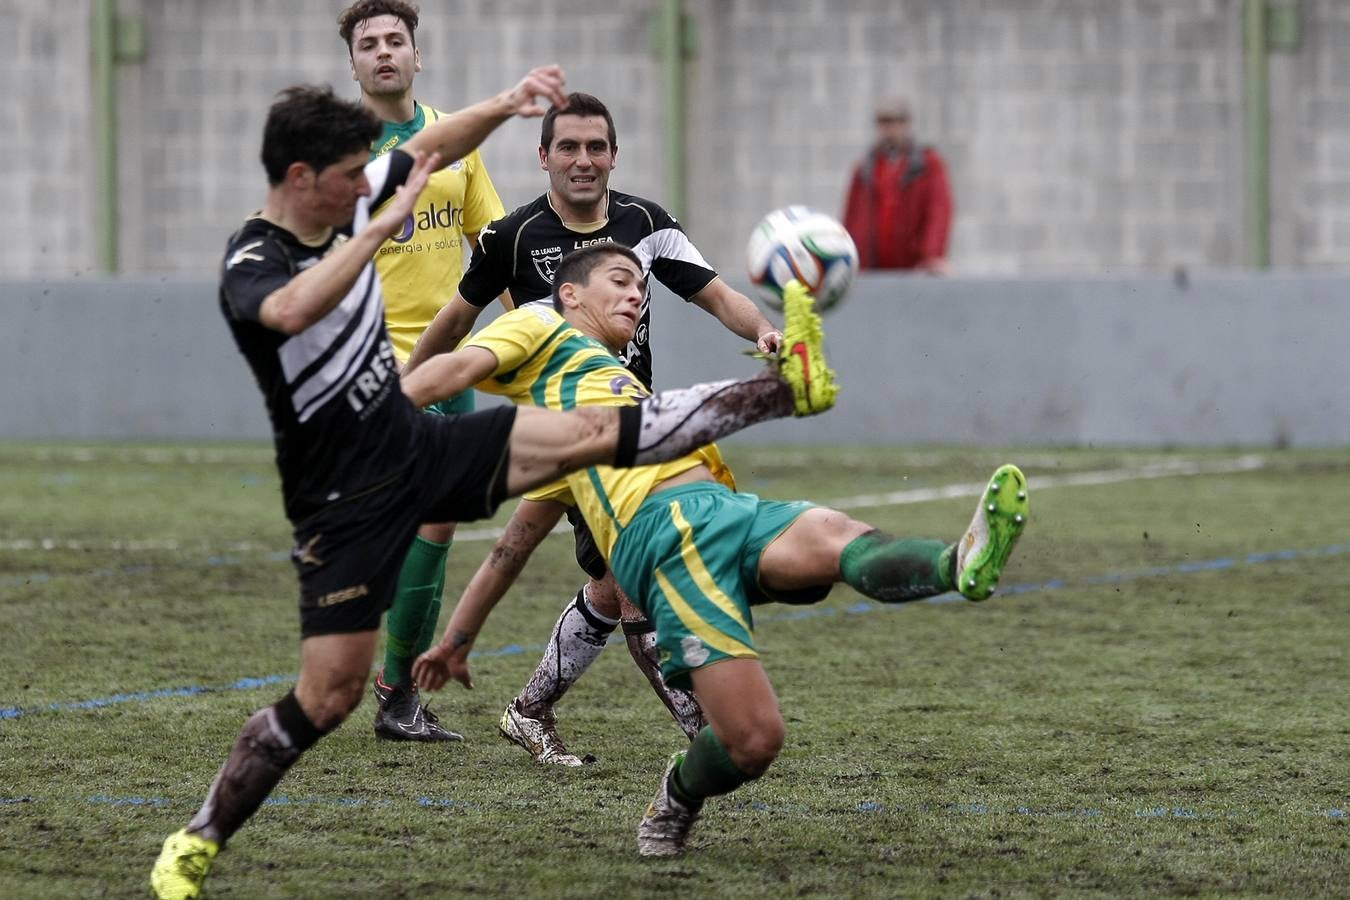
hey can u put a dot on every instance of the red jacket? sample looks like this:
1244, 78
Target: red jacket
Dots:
899, 209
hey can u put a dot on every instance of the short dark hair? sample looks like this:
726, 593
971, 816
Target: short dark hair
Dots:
310, 124
361, 10
578, 104
577, 266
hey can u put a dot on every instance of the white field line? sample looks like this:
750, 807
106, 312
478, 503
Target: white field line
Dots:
129, 546
1162, 469
176, 456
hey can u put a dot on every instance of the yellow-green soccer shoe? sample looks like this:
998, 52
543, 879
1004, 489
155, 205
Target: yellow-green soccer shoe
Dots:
182, 866
801, 357
984, 549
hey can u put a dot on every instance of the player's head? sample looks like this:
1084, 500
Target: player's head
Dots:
599, 290
578, 148
381, 38
894, 120
315, 147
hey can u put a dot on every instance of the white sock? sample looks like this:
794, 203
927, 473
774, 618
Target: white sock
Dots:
578, 637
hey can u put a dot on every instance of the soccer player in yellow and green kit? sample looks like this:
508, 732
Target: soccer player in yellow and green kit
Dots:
691, 552
420, 268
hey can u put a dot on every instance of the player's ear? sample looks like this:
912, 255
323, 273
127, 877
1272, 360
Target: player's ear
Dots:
300, 175
417, 60
613, 156
351, 63
567, 293
543, 157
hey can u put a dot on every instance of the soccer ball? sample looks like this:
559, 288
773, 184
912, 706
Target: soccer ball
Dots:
805, 244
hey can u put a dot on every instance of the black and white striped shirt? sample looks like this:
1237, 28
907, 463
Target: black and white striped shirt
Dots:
340, 423
521, 251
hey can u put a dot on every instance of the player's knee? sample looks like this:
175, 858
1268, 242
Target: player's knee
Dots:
440, 532
336, 704
603, 596
754, 750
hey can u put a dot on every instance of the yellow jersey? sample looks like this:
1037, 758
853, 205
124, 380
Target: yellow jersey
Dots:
420, 267
544, 361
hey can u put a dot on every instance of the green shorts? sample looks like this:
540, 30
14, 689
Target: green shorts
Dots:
460, 403
689, 559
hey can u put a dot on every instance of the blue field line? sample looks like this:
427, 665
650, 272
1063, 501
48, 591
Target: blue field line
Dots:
973, 809
795, 614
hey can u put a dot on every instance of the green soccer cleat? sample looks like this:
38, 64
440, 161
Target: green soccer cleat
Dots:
801, 357
182, 866
984, 549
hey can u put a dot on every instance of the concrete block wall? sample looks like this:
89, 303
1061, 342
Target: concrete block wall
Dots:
1081, 136
1093, 136
46, 133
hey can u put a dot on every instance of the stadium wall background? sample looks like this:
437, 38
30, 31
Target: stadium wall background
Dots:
1088, 137
1149, 361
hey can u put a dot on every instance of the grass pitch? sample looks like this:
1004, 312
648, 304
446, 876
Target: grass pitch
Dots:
1155, 703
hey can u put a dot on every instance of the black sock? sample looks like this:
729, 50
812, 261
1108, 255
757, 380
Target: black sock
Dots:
270, 742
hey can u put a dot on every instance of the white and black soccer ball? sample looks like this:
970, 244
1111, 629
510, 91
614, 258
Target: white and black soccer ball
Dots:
805, 244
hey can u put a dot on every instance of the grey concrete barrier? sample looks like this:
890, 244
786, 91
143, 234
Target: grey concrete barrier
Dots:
1208, 360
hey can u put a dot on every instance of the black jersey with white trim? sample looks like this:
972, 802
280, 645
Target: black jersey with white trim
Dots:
339, 420
521, 251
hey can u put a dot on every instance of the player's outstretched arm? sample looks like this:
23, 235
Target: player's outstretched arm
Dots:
739, 314
446, 374
458, 134
312, 294
529, 525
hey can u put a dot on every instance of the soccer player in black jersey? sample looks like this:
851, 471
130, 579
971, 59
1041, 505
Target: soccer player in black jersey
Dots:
360, 466
578, 148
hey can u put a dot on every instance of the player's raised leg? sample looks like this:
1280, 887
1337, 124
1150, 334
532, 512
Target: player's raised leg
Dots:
672, 423
823, 546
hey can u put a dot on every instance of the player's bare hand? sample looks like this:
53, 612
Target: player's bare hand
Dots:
545, 83
448, 659
392, 217
769, 342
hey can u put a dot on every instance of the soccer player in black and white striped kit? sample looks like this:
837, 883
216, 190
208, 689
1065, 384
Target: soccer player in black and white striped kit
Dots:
360, 466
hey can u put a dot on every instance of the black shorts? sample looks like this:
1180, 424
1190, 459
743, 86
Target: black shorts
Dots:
350, 554
588, 554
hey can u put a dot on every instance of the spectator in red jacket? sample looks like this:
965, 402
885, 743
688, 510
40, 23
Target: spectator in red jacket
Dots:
899, 208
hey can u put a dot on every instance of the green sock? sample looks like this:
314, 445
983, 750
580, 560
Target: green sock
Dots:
894, 570
423, 570
707, 770
428, 635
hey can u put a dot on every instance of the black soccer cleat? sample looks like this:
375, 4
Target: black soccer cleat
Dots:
402, 716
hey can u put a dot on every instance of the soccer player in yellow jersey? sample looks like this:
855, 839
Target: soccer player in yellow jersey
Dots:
420, 268
693, 554
578, 147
